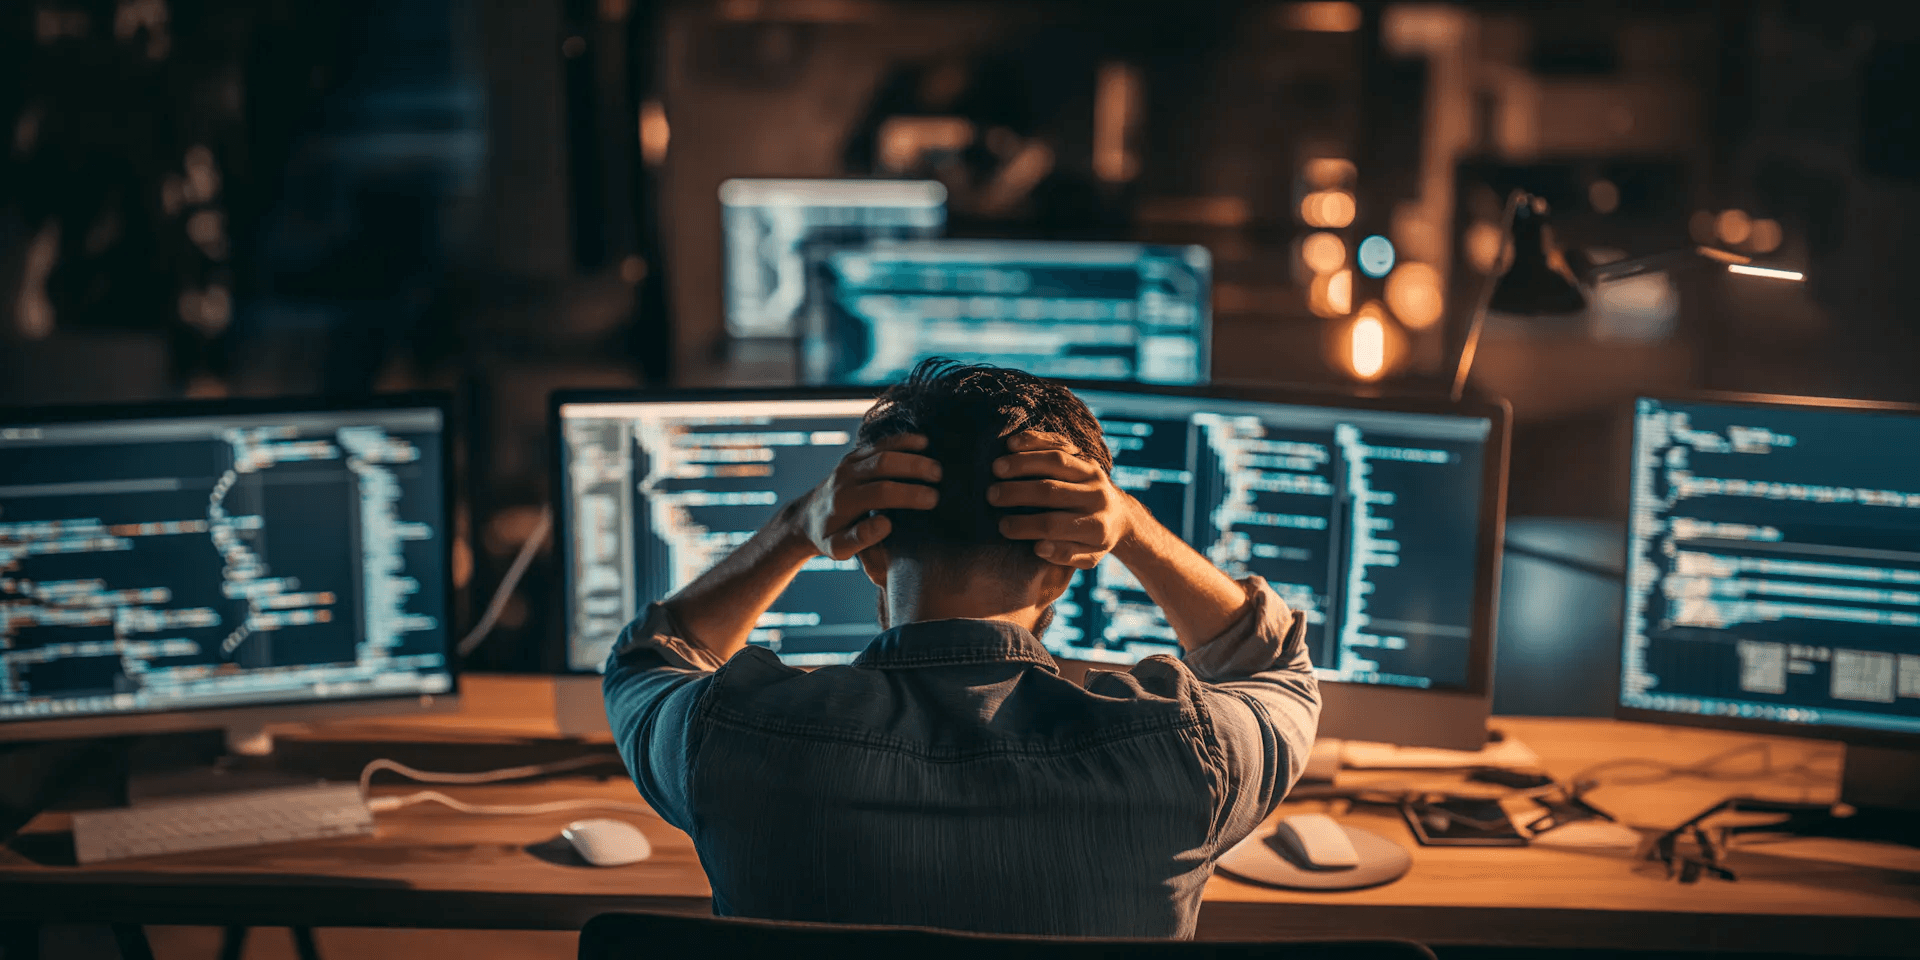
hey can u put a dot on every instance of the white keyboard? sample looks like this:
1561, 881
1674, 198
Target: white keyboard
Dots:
221, 820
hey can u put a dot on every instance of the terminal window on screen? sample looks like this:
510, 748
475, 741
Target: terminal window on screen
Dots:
1774, 565
220, 561
766, 224
1366, 521
1081, 311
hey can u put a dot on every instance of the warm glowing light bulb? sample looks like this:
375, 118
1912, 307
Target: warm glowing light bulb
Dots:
1767, 236
1323, 252
1367, 347
1413, 291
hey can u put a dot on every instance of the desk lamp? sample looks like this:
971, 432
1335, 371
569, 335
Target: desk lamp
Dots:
1543, 280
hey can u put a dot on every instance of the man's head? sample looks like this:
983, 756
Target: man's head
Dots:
966, 413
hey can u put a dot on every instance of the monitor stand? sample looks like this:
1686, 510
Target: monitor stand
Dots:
204, 763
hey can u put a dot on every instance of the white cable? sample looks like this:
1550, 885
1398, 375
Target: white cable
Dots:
388, 804
483, 776
507, 583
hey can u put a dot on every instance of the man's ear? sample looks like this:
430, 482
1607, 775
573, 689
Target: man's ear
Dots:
874, 560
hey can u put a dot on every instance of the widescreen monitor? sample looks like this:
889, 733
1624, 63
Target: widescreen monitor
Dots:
1773, 568
766, 223
1379, 519
219, 564
1061, 309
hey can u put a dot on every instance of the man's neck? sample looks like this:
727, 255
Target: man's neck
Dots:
914, 594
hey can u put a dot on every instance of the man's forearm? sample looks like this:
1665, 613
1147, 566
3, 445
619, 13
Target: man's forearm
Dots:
720, 607
1200, 602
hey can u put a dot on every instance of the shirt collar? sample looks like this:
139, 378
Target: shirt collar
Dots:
945, 643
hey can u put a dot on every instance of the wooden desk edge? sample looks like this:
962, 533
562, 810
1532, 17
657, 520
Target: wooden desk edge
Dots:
319, 905
332, 905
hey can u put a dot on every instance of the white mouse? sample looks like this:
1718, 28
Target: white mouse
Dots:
1316, 841
607, 843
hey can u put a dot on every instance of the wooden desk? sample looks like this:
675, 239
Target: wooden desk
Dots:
431, 867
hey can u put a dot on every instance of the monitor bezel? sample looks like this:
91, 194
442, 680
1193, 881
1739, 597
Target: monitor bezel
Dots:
1492, 506
284, 711
1843, 734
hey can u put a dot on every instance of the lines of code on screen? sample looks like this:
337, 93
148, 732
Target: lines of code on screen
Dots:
1366, 521
1083, 311
178, 563
766, 223
1774, 565
659, 492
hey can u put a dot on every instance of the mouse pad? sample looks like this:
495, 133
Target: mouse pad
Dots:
1257, 860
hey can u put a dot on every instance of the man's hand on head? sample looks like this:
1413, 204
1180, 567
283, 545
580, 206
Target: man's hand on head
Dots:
1085, 516
838, 518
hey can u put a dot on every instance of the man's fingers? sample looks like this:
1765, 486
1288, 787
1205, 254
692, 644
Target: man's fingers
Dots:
1058, 464
1068, 554
1056, 525
1054, 494
892, 464
1029, 440
858, 537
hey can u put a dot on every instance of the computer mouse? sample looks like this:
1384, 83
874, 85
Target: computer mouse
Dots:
1315, 841
607, 843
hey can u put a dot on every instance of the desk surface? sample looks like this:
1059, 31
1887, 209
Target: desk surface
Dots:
431, 867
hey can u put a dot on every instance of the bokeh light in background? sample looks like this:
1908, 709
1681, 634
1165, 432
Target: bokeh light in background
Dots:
1327, 208
1733, 227
1376, 256
1767, 236
1326, 173
1321, 16
1484, 243
1323, 252
1414, 294
1367, 345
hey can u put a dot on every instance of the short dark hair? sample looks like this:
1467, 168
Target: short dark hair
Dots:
966, 413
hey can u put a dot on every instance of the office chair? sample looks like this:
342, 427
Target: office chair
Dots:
629, 936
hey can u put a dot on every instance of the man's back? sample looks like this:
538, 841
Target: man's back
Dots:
952, 778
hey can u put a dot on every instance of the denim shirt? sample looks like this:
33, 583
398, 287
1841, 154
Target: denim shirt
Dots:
950, 777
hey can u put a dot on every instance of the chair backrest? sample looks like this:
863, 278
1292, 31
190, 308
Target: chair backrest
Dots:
632, 936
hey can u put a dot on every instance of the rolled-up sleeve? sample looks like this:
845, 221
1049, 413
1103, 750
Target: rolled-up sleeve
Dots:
1265, 706
654, 682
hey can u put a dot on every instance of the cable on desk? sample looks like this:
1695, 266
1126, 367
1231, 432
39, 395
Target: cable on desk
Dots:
389, 804
1707, 769
501, 593
483, 776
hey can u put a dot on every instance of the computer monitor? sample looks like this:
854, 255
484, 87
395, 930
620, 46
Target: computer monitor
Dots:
1061, 309
1378, 518
765, 223
655, 489
222, 564
1773, 577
